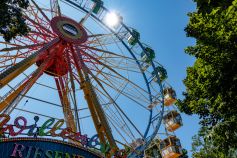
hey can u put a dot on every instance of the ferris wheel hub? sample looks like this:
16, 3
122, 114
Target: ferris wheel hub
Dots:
69, 30
58, 65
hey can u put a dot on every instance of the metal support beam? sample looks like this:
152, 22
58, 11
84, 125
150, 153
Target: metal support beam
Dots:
101, 124
14, 98
20, 67
63, 94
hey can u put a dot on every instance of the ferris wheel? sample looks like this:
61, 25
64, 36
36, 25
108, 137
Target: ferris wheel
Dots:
80, 62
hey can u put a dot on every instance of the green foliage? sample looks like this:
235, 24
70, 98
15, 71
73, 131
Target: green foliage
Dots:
184, 154
211, 83
203, 147
12, 22
206, 6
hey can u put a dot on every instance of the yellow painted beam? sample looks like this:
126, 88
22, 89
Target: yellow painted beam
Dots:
20, 67
91, 107
15, 71
25, 87
7, 101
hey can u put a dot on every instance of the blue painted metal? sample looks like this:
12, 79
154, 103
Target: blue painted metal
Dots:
142, 148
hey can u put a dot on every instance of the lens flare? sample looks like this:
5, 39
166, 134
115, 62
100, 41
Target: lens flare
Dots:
112, 20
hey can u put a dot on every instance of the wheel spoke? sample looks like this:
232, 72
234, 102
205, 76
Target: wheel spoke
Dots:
116, 105
40, 10
22, 47
112, 70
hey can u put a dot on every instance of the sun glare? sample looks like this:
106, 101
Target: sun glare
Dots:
112, 20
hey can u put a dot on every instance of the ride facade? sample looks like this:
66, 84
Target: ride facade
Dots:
96, 87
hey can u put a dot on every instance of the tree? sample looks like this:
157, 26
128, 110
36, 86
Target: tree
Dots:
203, 147
12, 22
184, 154
211, 83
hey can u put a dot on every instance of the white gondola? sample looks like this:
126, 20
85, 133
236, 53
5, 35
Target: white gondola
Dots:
169, 96
172, 121
170, 147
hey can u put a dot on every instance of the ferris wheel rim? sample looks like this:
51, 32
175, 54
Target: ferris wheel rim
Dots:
141, 148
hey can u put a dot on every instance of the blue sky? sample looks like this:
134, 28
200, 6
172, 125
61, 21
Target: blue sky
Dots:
161, 24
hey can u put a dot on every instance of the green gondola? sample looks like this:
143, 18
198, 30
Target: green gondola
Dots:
148, 56
134, 37
162, 73
98, 6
